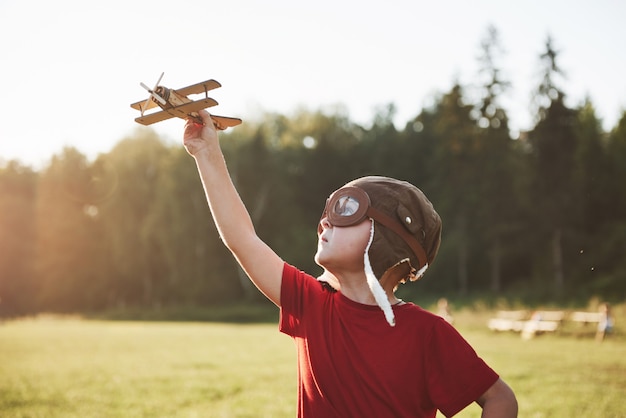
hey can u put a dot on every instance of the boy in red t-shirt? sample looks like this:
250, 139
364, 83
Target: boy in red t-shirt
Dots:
353, 359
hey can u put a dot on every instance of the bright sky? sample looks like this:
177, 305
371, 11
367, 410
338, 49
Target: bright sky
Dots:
70, 68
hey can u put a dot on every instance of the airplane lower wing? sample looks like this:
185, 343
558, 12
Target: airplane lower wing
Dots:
153, 118
221, 122
183, 111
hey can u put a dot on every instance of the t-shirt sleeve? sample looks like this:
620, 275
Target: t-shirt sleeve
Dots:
456, 375
291, 300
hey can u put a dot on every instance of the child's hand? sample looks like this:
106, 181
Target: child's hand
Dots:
199, 137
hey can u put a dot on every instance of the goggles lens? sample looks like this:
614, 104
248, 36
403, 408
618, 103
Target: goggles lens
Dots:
346, 206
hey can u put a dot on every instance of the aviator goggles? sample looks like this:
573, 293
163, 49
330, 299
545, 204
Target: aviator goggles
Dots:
351, 205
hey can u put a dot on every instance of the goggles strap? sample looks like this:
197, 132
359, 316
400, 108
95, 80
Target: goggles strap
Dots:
395, 226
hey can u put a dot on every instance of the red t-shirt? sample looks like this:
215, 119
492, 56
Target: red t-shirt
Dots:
351, 363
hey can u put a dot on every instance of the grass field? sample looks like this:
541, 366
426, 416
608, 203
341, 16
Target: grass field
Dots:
72, 367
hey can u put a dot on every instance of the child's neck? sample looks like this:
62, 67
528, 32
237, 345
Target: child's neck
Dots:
359, 291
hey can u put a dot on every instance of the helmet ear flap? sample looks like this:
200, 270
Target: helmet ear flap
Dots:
380, 296
398, 273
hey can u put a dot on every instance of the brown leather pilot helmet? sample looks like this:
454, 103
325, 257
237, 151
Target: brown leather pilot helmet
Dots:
406, 229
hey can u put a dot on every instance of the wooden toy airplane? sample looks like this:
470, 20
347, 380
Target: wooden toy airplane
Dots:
175, 103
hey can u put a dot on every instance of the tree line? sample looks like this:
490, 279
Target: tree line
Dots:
541, 216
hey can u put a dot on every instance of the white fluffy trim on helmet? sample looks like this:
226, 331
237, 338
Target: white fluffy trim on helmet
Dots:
377, 290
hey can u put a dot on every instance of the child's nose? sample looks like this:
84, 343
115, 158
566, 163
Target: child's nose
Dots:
324, 224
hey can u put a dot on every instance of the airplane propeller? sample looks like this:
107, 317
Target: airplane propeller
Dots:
152, 94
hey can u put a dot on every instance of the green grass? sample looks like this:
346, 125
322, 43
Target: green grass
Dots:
71, 367
78, 368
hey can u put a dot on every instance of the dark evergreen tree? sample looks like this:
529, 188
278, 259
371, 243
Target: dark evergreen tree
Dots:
554, 145
496, 211
457, 176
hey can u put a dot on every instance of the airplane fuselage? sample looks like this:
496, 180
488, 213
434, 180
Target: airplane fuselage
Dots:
172, 98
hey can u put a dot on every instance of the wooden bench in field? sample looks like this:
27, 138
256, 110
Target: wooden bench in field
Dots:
528, 326
586, 317
508, 321
542, 321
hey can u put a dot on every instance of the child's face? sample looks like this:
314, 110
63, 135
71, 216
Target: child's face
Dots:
340, 250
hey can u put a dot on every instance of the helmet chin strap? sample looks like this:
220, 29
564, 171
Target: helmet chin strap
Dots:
377, 290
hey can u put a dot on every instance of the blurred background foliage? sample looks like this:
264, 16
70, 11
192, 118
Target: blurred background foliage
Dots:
537, 215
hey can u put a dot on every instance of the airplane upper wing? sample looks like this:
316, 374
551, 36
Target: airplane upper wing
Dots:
182, 111
199, 88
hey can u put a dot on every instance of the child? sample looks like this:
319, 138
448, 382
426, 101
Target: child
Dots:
605, 324
353, 359
443, 310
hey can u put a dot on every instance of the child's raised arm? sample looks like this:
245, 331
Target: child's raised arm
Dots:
260, 262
